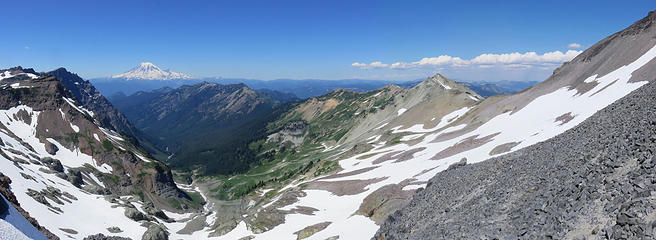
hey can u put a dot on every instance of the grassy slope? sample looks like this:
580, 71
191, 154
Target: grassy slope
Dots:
279, 164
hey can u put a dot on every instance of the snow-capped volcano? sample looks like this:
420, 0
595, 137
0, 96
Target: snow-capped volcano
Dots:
148, 71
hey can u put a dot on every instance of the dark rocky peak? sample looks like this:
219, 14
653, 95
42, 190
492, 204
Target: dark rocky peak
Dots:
18, 73
19, 69
86, 95
64, 75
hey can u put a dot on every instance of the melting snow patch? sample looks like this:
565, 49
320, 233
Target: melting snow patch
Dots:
472, 97
143, 158
590, 79
62, 114
95, 179
443, 85
411, 137
111, 134
401, 111
79, 109
412, 187
446, 120
381, 126
75, 128
373, 139
96, 137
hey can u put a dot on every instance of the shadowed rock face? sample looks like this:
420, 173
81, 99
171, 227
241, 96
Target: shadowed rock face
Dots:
593, 181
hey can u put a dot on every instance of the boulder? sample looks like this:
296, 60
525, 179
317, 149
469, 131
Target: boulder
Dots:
135, 215
75, 177
460, 163
53, 164
155, 232
51, 148
150, 209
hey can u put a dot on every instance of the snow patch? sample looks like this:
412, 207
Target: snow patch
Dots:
75, 128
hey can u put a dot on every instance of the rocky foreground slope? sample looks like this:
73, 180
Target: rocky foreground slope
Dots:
595, 181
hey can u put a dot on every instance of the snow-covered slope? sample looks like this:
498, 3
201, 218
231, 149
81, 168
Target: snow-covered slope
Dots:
76, 176
148, 71
348, 203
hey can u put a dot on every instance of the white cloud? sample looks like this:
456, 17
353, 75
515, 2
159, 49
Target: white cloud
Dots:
27, 47
526, 58
360, 65
377, 65
370, 65
510, 60
574, 46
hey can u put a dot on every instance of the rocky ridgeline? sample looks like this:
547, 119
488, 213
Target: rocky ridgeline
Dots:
595, 181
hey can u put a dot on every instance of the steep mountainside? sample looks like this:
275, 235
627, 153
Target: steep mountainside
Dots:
356, 170
72, 172
594, 181
205, 125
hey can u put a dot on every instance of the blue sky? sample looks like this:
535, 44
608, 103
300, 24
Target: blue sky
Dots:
305, 39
